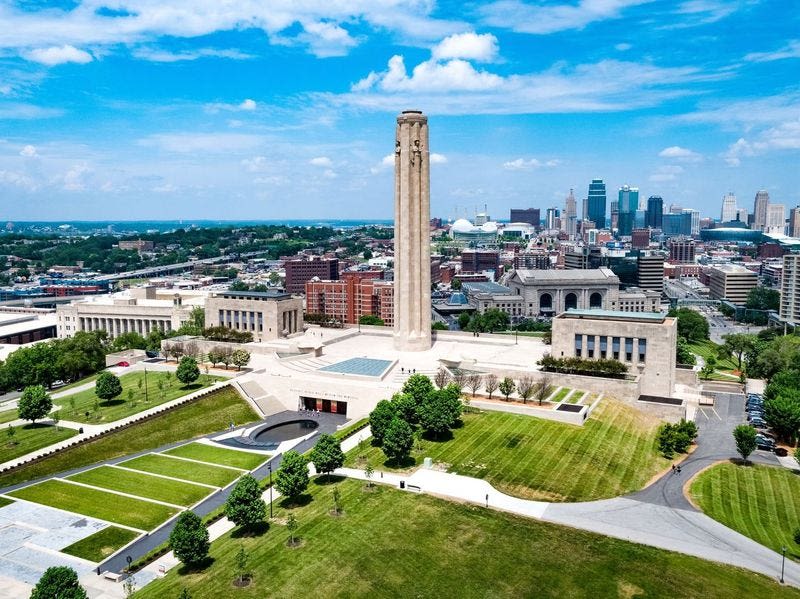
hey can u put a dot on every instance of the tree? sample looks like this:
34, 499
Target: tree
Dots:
35, 403
495, 319
369, 471
745, 437
455, 284
107, 386
398, 440
291, 526
241, 560
463, 320
244, 506
525, 388
189, 539
440, 411
405, 406
709, 367
442, 377
58, 582
543, 389
327, 454
214, 356
692, 325
738, 344
337, 501
380, 418
782, 413
418, 386
507, 386
491, 382
226, 356
371, 319
130, 340
291, 479
683, 354
241, 358
439, 326
10, 432
187, 371
474, 382
763, 298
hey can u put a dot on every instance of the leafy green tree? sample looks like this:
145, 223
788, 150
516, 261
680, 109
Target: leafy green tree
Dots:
187, 371
337, 501
455, 284
763, 298
494, 319
745, 437
107, 386
35, 403
463, 320
380, 418
692, 325
327, 454
709, 367
782, 413
244, 506
490, 383
10, 432
738, 344
418, 386
291, 526
291, 479
684, 355
240, 358
398, 440
371, 319
439, 326
58, 582
189, 539
507, 386
241, 560
440, 411
405, 407
369, 472
130, 340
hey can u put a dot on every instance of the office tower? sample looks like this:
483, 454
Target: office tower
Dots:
790, 289
728, 208
551, 219
614, 215
695, 220
640, 221
627, 205
731, 282
655, 211
677, 224
742, 215
794, 222
570, 219
760, 210
412, 213
681, 250
301, 270
596, 203
776, 219
650, 272
640, 239
526, 215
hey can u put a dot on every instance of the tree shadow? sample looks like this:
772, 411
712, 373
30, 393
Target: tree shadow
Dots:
741, 462
196, 567
35, 425
191, 386
438, 438
406, 462
328, 479
293, 502
251, 532
458, 424
111, 403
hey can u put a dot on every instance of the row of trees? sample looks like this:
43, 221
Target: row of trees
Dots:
222, 355
490, 321
584, 366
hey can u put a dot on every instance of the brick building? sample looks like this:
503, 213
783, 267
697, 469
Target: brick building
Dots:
301, 270
352, 297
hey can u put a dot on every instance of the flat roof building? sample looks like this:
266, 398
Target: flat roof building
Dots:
790, 289
267, 315
731, 282
300, 270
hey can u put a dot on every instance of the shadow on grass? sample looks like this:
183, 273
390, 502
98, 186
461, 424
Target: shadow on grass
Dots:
406, 462
196, 567
293, 502
192, 387
328, 479
111, 403
741, 462
36, 425
440, 438
250, 532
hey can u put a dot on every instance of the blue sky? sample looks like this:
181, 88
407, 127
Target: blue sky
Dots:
134, 109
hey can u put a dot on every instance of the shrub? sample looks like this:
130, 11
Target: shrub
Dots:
583, 366
189, 539
58, 581
107, 386
675, 438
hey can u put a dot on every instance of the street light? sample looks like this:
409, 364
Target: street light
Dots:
783, 562
270, 490
145, 385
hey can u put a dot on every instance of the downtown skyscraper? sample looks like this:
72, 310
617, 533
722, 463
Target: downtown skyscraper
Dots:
628, 204
596, 203
729, 208
760, 210
570, 221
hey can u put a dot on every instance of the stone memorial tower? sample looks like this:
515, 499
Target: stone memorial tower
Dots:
412, 246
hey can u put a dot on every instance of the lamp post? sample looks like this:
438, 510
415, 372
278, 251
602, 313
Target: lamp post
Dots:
145, 385
783, 561
270, 490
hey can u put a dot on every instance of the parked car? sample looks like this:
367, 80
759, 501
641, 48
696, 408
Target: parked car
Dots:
758, 422
755, 414
123, 364
781, 452
765, 443
754, 402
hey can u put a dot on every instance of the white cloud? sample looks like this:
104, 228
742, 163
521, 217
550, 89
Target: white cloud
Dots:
16, 179
549, 18
790, 50
785, 136
246, 105
321, 161
388, 160
623, 47
680, 154
430, 76
329, 174
213, 143
165, 188
438, 158
28, 151
470, 46
55, 55
326, 39
667, 172
256, 164
27, 111
75, 179
520, 164
159, 55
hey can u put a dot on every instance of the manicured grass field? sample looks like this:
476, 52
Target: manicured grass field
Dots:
78, 383
575, 397
218, 455
395, 544
761, 502
562, 393
205, 415
143, 485
8, 416
613, 453
101, 544
30, 437
4, 501
136, 513
190, 471
121, 406
708, 348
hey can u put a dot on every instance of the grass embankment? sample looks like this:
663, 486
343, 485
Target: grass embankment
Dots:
143, 485
30, 437
706, 349
78, 383
75, 406
157, 463
394, 544
760, 502
613, 453
4, 501
218, 455
101, 544
208, 414
136, 513
8, 416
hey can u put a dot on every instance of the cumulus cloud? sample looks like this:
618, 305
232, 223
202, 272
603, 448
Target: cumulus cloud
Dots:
667, 172
438, 158
623, 47
246, 105
430, 76
28, 151
470, 46
321, 161
785, 136
680, 154
75, 179
256, 164
521, 164
55, 55
326, 39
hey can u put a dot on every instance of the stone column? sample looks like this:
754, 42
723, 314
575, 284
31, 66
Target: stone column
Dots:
412, 270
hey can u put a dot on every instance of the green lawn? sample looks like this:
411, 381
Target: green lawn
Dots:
78, 383
4, 501
8, 416
101, 544
576, 397
760, 502
613, 453
143, 485
562, 393
708, 348
208, 414
190, 471
120, 407
136, 513
395, 544
219, 455
30, 437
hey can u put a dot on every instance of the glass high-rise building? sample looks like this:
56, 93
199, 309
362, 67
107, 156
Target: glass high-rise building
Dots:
627, 205
655, 212
596, 203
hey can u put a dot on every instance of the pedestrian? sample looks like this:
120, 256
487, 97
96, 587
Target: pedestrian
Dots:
673, 469
679, 469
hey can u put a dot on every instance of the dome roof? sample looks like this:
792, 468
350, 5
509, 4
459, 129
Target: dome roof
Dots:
490, 227
462, 225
